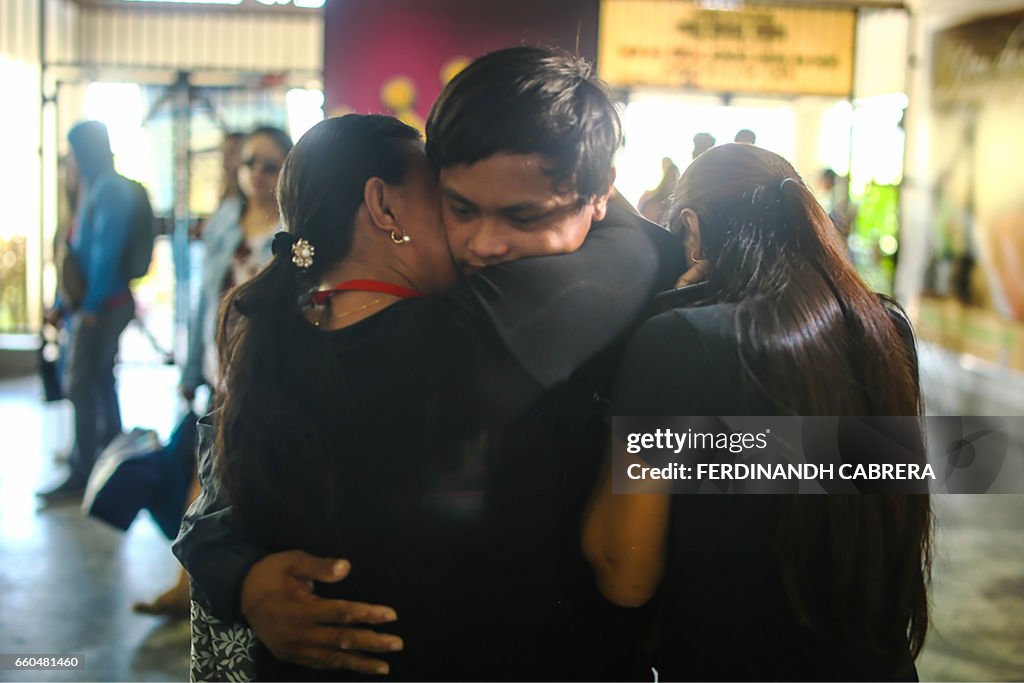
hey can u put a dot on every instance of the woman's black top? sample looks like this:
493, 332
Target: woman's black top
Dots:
723, 612
449, 492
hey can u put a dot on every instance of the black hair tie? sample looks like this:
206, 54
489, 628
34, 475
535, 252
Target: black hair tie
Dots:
282, 244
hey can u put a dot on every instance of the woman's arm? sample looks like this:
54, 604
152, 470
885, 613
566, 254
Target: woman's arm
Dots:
236, 582
625, 538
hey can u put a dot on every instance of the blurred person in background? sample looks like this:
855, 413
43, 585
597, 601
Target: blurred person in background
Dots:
101, 305
745, 136
702, 142
237, 241
834, 192
771, 318
653, 204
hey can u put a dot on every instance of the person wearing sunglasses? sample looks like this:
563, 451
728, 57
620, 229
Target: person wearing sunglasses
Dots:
237, 242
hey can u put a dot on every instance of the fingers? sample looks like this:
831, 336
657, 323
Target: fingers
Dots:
327, 570
362, 640
300, 627
324, 658
345, 612
352, 640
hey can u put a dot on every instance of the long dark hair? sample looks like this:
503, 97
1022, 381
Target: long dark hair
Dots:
279, 397
814, 340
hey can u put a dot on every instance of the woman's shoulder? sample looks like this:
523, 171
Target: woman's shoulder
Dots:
692, 341
714, 323
672, 355
710, 318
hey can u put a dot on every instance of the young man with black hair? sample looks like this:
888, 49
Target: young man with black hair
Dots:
524, 141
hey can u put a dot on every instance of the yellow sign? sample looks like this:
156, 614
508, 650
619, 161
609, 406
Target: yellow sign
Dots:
759, 49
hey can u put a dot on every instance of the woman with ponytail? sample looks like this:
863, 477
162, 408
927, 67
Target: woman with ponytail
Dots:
769, 319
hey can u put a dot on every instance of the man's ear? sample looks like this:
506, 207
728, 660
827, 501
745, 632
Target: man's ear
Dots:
600, 202
378, 199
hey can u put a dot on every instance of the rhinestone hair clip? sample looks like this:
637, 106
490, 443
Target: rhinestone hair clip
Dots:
302, 253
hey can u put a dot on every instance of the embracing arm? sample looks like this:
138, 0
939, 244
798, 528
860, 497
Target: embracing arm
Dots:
624, 539
238, 582
625, 536
211, 545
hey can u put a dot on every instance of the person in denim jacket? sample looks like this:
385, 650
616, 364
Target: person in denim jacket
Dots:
237, 241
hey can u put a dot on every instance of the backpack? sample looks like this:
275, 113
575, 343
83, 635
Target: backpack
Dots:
138, 251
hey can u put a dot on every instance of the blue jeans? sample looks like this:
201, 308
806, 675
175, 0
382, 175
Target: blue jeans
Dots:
89, 383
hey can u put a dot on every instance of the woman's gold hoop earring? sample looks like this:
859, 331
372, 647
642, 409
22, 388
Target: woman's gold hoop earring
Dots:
693, 257
400, 239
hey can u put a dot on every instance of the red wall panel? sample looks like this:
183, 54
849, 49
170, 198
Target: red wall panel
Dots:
371, 43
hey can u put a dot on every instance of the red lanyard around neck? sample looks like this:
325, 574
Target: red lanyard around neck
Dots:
322, 296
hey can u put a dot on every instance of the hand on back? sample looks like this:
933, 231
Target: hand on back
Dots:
302, 628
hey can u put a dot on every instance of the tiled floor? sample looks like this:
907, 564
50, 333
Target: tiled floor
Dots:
67, 582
